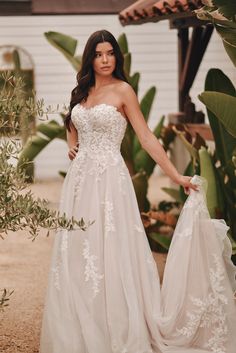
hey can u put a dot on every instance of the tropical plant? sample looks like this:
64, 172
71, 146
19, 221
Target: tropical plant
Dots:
220, 99
219, 167
19, 210
66, 45
18, 207
223, 15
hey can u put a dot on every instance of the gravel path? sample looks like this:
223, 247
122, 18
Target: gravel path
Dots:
24, 267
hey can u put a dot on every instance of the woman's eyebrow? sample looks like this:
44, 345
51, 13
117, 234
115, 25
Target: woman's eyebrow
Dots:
99, 51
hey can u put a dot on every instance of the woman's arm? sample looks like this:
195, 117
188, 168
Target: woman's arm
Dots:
72, 141
148, 140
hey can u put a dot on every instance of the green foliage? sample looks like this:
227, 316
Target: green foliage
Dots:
45, 133
140, 183
219, 103
174, 193
66, 45
18, 208
219, 167
142, 160
4, 298
208, 172
161, 239
223, 15
223, 127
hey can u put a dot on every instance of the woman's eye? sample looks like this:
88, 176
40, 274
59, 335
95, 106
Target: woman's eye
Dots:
111, 53
97, 55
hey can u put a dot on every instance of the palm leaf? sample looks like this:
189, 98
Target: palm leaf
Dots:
66, 45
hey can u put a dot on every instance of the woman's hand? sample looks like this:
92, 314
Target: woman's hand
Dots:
185, 182
72, 152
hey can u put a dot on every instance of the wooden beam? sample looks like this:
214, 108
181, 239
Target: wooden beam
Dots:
183, 41
186, 22
46, 7
195, 52
15, 8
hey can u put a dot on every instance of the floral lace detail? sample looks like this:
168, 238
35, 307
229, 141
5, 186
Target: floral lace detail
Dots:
78, 171
151, 262
55, 272
109, 218
63, 234
138, 229
124, 349
187, 233
100, 133
210, 312
64, 242
122, 177
91, 271
197, 203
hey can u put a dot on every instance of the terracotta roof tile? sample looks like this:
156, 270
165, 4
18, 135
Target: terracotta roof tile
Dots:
148, 10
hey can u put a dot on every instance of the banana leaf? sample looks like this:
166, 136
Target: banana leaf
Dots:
66, 45
224, 107
134, 81
207, 171
126, 148
225, 143
123, 43
191, 149
145, 106
161, 239
127, 63
174, 193
140, 183
143, 161
35, 144
228, 35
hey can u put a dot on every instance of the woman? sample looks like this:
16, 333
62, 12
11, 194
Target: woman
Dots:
104, 292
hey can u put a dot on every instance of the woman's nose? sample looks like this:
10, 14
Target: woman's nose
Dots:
104, 58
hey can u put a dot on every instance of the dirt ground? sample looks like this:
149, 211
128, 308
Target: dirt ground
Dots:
24, 268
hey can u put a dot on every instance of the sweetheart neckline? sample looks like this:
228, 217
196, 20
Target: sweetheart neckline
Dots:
108, 105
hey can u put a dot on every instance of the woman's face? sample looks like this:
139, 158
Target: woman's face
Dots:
105, 61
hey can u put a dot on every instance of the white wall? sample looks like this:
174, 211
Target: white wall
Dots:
154, 54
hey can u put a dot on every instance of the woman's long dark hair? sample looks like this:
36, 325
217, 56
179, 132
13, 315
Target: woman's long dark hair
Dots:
85, 77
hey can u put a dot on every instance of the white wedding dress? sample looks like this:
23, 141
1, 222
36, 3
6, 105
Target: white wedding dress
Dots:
104, 293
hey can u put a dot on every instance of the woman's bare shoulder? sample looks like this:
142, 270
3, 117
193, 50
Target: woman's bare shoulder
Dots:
123, 87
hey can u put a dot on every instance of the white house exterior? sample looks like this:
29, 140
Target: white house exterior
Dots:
154, 54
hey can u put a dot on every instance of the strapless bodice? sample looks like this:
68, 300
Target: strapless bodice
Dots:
100, 128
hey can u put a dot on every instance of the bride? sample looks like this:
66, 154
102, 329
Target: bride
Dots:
104, 293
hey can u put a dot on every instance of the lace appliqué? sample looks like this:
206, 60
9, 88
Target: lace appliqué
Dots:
63, 250
186, 233
138, 229
91, 270
151, 263
124, 349
55, 272
197, 203
109, 218
210, 312
78, 172
122, 178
